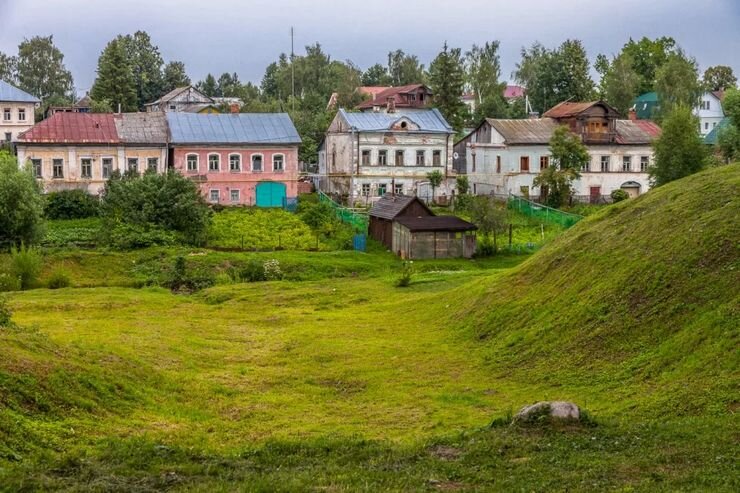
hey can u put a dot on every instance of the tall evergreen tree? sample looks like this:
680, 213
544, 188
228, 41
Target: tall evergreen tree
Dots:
174, 76
483, 67
447, 80
41, 70
208, 86
572, 78
679, 151
146, 66
115, 81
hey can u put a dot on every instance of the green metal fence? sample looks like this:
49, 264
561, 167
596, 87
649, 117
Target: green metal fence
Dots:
357, 220
542, 212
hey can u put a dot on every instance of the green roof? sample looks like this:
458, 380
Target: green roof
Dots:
646, 105
712, 137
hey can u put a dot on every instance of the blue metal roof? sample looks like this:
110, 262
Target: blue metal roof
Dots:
236, 128
427, 120
12, 94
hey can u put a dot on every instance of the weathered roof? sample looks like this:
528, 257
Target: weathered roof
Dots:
427, 120
636, 132
12, 94
712, 137
74, 128
435, 223
646, 105
232, 128
568, 109
391, 206
174, 93
142, 128
381, 98
525, 131
511, 92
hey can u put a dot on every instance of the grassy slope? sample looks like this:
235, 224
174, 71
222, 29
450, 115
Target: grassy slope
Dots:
633, 313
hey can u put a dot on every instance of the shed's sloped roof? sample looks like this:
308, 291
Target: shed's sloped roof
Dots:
427, 120
236, 128
74, 128
435, 223
526, 131
390, 206
12, 94
142, 128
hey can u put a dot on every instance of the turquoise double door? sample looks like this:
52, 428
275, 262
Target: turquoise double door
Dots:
271, 194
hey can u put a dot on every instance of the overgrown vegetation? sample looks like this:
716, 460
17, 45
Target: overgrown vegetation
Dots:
71, 204
21, 204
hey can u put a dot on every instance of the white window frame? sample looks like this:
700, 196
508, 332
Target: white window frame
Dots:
644, 164
369, 154
7, 114
282, 168
102, 166
54, 175
218, 162
128, 163
210, 196
187, 162
608, 163
239, 167
398, 188
22, 110
238, 195
156, 166
423, 155
262, 162
384, 153
627, 160
82, 173
40, 168
366, 189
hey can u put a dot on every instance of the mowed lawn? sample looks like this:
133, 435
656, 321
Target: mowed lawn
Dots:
277, 360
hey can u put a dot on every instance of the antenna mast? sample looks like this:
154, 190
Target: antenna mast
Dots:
292, 70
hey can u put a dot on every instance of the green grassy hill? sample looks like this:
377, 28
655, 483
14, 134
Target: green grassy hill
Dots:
339, 381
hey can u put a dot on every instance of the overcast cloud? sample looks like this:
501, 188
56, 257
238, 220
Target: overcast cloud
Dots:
244, 36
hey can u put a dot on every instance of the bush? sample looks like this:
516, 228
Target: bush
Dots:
75, 232
253, 271
59, 279
21, 203
407, 272
619, 195
132, 236
71, 204
272, 270
9, 282
5, 314
485, 247
183, 279
26, 265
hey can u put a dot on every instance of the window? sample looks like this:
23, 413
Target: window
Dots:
235, 163
524, 190
152, 164
86, 167
644, 163
8, 136
57, 168
107, 167
498, 164
472, 155
626, 163
366, 158
192, 162
234, 196
399, 158
36, 165
398, 189
278, 162
436, 158
21, 114
544, 162
382, 158
214, 196
524, 164
133, 164
421, 158
214, 162
381, 189
257, 162
6, 114
173, 107
706, 125
704, 105
605, 163
366, 189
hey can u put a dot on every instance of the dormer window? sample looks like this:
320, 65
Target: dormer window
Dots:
404, 125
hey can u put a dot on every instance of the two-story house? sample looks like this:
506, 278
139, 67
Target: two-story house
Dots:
237, 158
367, 155
407, 98
504, 156
17, 111
708, 110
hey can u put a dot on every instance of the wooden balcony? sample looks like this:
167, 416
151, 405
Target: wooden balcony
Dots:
598, 137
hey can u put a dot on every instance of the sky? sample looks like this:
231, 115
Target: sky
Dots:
244, 36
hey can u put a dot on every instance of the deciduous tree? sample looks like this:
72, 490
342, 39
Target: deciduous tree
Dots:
483, 67
620, 84
41, 70
447, 79
8, 68
677, 82
568, 157
679, 151
647, 57
405, 69
377, 75
21, 203
719, 77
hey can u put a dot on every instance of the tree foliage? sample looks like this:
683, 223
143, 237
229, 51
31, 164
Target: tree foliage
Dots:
648, 56
40, 69
719, 77
568, 157
679, 151
174, 75
115, 81
677, 82
620, 84
377, 75
435, 180
8, 68
21, 203
447, 80
483, 67
146, 66
405, 69
729, 137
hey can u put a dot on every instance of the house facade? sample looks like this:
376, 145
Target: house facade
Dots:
183, 99
365, 156
709, 109
82, 150
17, 109
239, 158
504, 156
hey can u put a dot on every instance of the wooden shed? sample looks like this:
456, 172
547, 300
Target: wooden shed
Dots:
428, 237
387, 209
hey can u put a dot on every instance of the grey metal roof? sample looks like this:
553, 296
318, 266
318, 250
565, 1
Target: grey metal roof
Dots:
525, 131
232, 128
13, 94
142, 128
427, 120
390, 206
435, 223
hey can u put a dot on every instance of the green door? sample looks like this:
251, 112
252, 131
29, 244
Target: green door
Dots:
270, 194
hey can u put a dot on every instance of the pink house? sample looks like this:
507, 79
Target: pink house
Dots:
237, 158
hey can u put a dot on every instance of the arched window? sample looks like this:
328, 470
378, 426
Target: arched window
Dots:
278, 162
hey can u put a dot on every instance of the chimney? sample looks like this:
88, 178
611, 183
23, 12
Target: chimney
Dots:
234, 107
391, 104
632, 114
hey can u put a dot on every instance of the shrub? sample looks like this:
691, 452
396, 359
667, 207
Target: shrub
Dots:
253, 271
5, 314
407, 271
485, 247
619, 195
126, 236
21, 203
26, 265
9, 282
71, 204
183, 279
272, 270
59, 279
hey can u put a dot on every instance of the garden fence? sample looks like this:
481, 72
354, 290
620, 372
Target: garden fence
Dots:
542, 212
357, 220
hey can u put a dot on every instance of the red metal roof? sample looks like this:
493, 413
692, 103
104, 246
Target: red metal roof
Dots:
566, 109
381, 98
74, 128
514, 92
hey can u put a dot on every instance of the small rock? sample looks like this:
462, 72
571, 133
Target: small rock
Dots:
551, 409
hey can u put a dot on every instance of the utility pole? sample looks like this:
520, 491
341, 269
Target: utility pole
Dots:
292, 69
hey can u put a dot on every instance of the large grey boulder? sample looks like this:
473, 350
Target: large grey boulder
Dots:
561, 410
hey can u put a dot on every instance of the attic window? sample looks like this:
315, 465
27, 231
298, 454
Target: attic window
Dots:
404, 125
